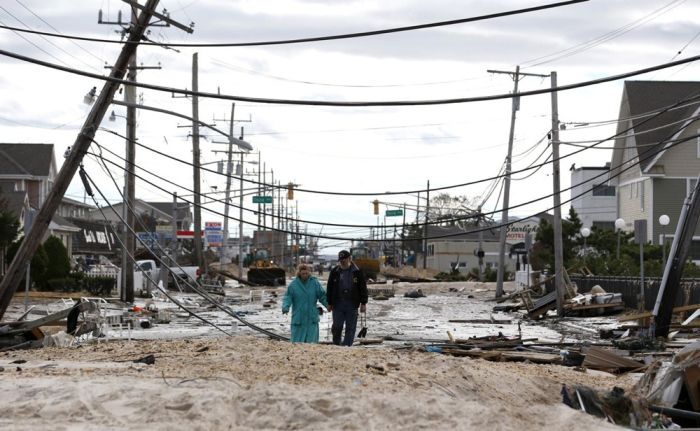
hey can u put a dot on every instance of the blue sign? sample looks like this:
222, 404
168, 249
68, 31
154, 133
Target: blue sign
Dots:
150, 239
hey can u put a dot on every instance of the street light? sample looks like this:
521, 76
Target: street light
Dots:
585, 232
664, 220
619, 225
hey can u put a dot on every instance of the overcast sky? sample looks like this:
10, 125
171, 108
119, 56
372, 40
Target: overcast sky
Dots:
348, 149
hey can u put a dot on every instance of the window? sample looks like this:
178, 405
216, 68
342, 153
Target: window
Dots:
694, 250
431, 249
604, 225
641, 196
603, 190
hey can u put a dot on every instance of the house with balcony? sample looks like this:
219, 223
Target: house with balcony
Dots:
656, 157
30, 170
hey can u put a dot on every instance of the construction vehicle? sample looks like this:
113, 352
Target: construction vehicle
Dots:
264, 271
362, 257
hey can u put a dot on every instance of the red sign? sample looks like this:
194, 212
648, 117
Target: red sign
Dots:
187, 234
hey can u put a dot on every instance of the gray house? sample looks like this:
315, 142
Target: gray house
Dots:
30, 170
656, 159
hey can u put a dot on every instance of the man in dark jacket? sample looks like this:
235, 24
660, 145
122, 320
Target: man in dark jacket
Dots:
346, 291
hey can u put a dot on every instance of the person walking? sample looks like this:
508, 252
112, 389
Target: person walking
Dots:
301, 296
347, 290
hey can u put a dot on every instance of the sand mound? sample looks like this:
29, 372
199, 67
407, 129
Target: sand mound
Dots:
254, 383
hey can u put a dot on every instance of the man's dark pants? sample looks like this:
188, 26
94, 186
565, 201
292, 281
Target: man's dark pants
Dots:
344, 314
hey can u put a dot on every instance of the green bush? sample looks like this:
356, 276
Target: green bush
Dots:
452, 276
100, 286
65, 284
59, 262
78, 279
38, 264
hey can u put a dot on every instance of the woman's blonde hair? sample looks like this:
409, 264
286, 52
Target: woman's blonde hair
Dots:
303, 266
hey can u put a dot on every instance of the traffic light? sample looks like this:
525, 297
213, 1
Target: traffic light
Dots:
290, 191
376, 207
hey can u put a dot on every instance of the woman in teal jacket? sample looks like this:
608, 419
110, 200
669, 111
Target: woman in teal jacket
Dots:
301, 296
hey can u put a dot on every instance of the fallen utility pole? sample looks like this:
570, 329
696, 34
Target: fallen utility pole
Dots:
670, 282
31, 242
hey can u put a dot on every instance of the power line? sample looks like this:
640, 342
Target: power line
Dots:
333, 37
600, 39
310, 102
274, 186
458, 218
58, 31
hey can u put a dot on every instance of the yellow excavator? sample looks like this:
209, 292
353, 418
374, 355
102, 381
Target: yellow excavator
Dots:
362, 257
263, 270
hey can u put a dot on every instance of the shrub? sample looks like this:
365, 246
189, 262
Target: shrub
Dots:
59, 262
37, 265
65, 284
100, 286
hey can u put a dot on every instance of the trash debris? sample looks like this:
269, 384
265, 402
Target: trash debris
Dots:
148, 360
598, 358
418, 293
615, 406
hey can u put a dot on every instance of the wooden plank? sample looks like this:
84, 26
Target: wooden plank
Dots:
680, 309
637, 316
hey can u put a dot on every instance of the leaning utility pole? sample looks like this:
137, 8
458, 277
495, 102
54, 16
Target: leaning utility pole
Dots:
677, 256
515, 106
558, 242
31, 242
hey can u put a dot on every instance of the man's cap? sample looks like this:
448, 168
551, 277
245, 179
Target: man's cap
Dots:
343, 254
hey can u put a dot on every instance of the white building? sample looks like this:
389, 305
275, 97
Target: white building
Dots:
592, 198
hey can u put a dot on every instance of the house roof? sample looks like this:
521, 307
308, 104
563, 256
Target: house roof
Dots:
644, 97
76, 203
437, 233
94, 237
58, 222
26, 159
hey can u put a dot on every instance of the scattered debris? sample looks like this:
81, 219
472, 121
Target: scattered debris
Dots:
598, 358
148, 360
418, 293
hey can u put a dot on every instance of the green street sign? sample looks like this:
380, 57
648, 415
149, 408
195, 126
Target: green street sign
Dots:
393, 213
262, 199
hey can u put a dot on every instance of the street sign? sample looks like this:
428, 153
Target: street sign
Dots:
262, 199
393, 213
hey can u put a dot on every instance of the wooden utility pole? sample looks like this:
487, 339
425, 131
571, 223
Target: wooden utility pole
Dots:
515, 106
425, 228
129, 201
558, 242
31, 242
195, 166
229, 174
